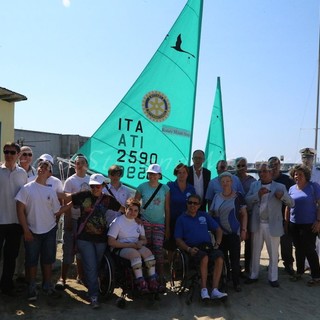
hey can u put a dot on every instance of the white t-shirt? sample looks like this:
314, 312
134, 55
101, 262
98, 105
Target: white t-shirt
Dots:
41, 206
10, 184
76, 184
126, 230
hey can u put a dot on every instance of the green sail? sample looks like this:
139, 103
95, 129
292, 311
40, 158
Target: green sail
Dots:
153, 123
215, 146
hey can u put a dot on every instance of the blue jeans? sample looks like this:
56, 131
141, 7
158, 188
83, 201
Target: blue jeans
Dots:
91, 257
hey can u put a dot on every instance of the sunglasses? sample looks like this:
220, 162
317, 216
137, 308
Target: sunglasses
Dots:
193, 203
95, 186
27, 154
241, 165
12, 152
115, 173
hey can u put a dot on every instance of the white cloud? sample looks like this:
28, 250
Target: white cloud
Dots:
66, 3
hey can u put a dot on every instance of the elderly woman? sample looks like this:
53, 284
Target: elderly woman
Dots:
228, 208
304, 221
180, 190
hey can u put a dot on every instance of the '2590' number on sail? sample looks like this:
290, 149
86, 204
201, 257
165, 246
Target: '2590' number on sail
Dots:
134, 156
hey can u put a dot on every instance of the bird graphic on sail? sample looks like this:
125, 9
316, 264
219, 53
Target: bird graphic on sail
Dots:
153, 123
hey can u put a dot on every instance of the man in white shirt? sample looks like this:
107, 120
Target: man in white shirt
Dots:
12, 178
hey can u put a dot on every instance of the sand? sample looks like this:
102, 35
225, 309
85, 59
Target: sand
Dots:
292, 300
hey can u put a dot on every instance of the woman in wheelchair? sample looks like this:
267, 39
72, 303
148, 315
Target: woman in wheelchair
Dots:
192, 235
127, 239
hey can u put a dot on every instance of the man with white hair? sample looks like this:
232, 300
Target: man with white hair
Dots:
265, 198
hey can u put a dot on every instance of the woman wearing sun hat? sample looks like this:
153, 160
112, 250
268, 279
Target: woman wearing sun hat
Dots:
155, 215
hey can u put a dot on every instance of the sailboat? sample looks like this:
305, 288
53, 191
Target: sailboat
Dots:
153, 123
215, 146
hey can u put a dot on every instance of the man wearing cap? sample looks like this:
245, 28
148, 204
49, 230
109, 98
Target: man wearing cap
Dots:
307, 158
38, 210
286, 244
265, 198
12, 178
199, 177
52, 181
79, 181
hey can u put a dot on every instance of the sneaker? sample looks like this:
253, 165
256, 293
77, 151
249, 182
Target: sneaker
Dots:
94, 303
142, 285
60, 285
153, 284
32, 293
204, 294
216, 294
51, 292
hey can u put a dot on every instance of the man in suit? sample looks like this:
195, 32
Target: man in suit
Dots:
199, 177
265, 199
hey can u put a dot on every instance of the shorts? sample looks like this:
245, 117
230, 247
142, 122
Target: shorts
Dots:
42, 246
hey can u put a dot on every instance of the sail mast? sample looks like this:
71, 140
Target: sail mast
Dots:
318, 93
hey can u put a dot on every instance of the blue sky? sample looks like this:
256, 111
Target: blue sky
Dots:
76, 59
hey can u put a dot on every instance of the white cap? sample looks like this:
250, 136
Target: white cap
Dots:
46, 157
97, 178
154, 168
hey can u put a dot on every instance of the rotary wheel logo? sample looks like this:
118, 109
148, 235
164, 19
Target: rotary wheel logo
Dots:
156, 106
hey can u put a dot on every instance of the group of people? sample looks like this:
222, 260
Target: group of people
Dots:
207, 218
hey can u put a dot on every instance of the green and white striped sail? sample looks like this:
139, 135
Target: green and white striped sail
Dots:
153, 123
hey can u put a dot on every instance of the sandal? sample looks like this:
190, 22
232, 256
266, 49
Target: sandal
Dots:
313, 282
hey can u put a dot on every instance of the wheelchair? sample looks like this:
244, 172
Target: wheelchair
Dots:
185, 276
116, 272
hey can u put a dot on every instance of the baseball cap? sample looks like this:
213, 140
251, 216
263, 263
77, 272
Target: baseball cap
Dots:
97, 178
46, 157
154, 168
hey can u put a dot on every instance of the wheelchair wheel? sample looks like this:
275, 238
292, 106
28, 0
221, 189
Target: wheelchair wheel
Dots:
106, 277
178, 270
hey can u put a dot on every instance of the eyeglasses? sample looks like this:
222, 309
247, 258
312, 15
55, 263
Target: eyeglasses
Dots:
95, 186
80, 162
222, 167
193, 203
12, 152
241, 165
27, 154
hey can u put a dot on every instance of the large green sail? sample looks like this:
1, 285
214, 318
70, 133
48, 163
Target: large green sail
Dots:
153, 123
215, 147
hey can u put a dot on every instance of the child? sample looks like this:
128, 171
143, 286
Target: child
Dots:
127, 238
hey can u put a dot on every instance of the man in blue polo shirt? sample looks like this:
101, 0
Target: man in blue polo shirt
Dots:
192, 235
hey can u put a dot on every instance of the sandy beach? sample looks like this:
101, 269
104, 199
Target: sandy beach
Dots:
292, 300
